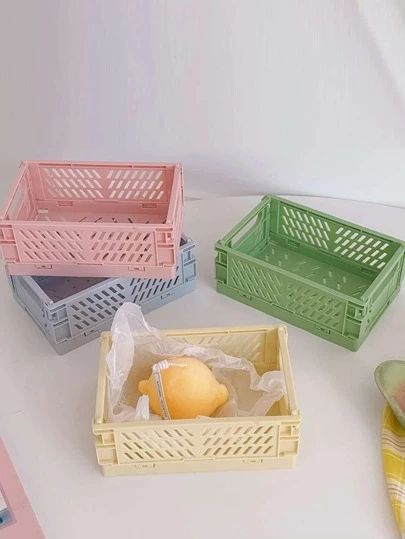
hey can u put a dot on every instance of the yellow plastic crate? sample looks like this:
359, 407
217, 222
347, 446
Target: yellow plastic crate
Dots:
232, 443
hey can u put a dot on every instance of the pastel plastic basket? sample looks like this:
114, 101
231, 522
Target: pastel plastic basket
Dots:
325, 275
73, 311
232, 443
93, 220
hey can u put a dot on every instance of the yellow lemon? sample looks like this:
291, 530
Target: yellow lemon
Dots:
190, 389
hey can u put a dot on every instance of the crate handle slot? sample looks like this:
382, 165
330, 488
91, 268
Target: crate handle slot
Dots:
242, 228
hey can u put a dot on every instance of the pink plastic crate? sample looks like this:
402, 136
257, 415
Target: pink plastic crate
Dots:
17, 520
93, 220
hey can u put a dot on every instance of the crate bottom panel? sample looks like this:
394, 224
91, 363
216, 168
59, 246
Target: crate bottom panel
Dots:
351, 344
68, 345
200, 466
87, 270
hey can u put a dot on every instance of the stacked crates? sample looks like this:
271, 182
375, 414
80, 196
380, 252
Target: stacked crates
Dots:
79, 239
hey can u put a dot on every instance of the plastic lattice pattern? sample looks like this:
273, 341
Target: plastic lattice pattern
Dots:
100, 183
93, 247
178, 442
322, 233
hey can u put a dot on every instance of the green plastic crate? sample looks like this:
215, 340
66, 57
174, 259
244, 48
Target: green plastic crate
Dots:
325, 275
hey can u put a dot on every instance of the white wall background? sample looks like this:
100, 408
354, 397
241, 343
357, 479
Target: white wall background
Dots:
283, 96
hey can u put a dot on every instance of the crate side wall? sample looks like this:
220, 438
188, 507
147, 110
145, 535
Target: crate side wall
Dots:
291, 318
383, 296
243, 440
54, 243
254, 235
95, 181
29, 299
21, 203
253, 280
346, 241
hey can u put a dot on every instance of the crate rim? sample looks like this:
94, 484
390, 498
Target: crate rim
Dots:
63, 224
267, 198
105, 338
130, 164
222, 244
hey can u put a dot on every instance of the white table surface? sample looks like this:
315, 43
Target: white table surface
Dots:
337, 489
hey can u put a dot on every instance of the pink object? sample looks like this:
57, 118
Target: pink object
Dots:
93, 220
21, 522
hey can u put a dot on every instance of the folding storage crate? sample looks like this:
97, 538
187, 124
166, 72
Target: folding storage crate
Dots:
232, 443
93, 220
325, 275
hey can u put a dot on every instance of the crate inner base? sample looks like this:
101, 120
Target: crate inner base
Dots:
59, 288
344, 280
99, 215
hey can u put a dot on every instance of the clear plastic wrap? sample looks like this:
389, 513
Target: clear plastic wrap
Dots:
137, 347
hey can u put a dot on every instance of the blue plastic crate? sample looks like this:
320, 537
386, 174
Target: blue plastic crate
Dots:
72, 311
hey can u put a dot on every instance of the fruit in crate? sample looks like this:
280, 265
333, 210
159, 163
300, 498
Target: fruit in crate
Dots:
183, 388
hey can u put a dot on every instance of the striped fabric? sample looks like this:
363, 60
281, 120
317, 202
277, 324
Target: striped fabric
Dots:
393, 448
